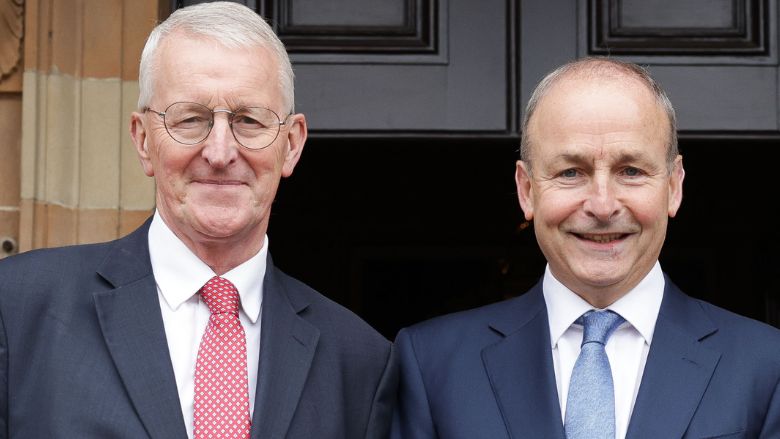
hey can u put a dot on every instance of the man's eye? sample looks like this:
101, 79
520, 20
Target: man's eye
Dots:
569, 173
632, 172
187, 120
246, 120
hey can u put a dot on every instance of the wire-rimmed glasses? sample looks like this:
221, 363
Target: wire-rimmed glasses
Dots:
190, 123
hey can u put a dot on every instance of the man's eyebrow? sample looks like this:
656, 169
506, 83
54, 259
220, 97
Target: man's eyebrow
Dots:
571, 157
636, 157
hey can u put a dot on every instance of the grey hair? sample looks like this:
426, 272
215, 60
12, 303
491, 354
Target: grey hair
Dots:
600, 67
230, 24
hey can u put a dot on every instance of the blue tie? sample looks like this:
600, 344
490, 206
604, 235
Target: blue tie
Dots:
590, 407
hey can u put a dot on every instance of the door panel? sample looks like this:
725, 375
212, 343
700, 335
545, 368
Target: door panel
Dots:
422, 67
717, 59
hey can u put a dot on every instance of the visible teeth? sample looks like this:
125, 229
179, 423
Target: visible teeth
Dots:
602, 238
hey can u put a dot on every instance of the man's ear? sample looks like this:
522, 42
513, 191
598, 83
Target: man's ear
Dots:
296, 138
140, 137
525, 189
676, 186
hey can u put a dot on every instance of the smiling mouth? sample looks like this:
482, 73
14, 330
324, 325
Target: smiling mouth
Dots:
220, 182
601, 238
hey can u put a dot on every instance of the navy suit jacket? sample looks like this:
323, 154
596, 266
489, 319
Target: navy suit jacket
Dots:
83, 353
488, 373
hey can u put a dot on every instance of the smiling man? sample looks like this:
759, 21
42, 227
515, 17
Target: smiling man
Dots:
185, 328
605, 345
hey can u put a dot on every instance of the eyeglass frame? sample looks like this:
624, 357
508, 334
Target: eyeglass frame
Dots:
231, 114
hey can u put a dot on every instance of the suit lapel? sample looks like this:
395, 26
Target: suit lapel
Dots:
287, 347
678, 369
132, 326
521, 372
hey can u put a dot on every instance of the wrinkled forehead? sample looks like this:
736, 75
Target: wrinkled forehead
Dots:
205, 72
597, 120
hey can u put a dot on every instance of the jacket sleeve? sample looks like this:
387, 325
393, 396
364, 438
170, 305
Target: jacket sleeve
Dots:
384, 401
412, 418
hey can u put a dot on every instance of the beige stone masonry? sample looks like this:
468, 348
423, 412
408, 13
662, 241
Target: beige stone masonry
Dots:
102, 128
79, 178
62, 140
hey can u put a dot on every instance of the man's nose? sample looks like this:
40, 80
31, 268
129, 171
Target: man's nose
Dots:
602, 201
221, 147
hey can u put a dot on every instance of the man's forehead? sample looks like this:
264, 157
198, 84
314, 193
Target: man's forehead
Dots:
609, 101
202, 70
593, 119
180, 51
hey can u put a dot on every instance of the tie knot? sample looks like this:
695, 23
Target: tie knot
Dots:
599, 325
220, 295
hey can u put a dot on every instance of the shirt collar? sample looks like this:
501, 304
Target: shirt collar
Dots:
179, 273
639, 307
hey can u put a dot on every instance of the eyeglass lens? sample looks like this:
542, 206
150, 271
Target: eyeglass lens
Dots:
190, 123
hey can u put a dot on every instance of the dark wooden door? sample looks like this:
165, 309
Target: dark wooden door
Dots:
717, 59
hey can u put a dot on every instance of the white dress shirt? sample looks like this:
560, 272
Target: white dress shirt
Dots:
626, 349
179, 275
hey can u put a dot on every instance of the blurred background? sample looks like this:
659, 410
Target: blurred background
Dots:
403, 206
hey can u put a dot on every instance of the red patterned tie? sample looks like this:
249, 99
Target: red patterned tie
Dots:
221, 389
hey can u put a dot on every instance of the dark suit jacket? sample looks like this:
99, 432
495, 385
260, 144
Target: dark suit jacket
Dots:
488, 373
83, 353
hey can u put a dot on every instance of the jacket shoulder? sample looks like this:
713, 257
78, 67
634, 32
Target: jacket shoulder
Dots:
515, 311
464, 334
41, 264
750, 343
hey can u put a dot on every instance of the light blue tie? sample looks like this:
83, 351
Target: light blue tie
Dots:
590, 407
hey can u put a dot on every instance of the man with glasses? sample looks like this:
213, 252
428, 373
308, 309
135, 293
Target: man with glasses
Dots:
185, 328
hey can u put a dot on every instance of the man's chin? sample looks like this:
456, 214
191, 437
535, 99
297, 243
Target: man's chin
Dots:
221, 222
597, 276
